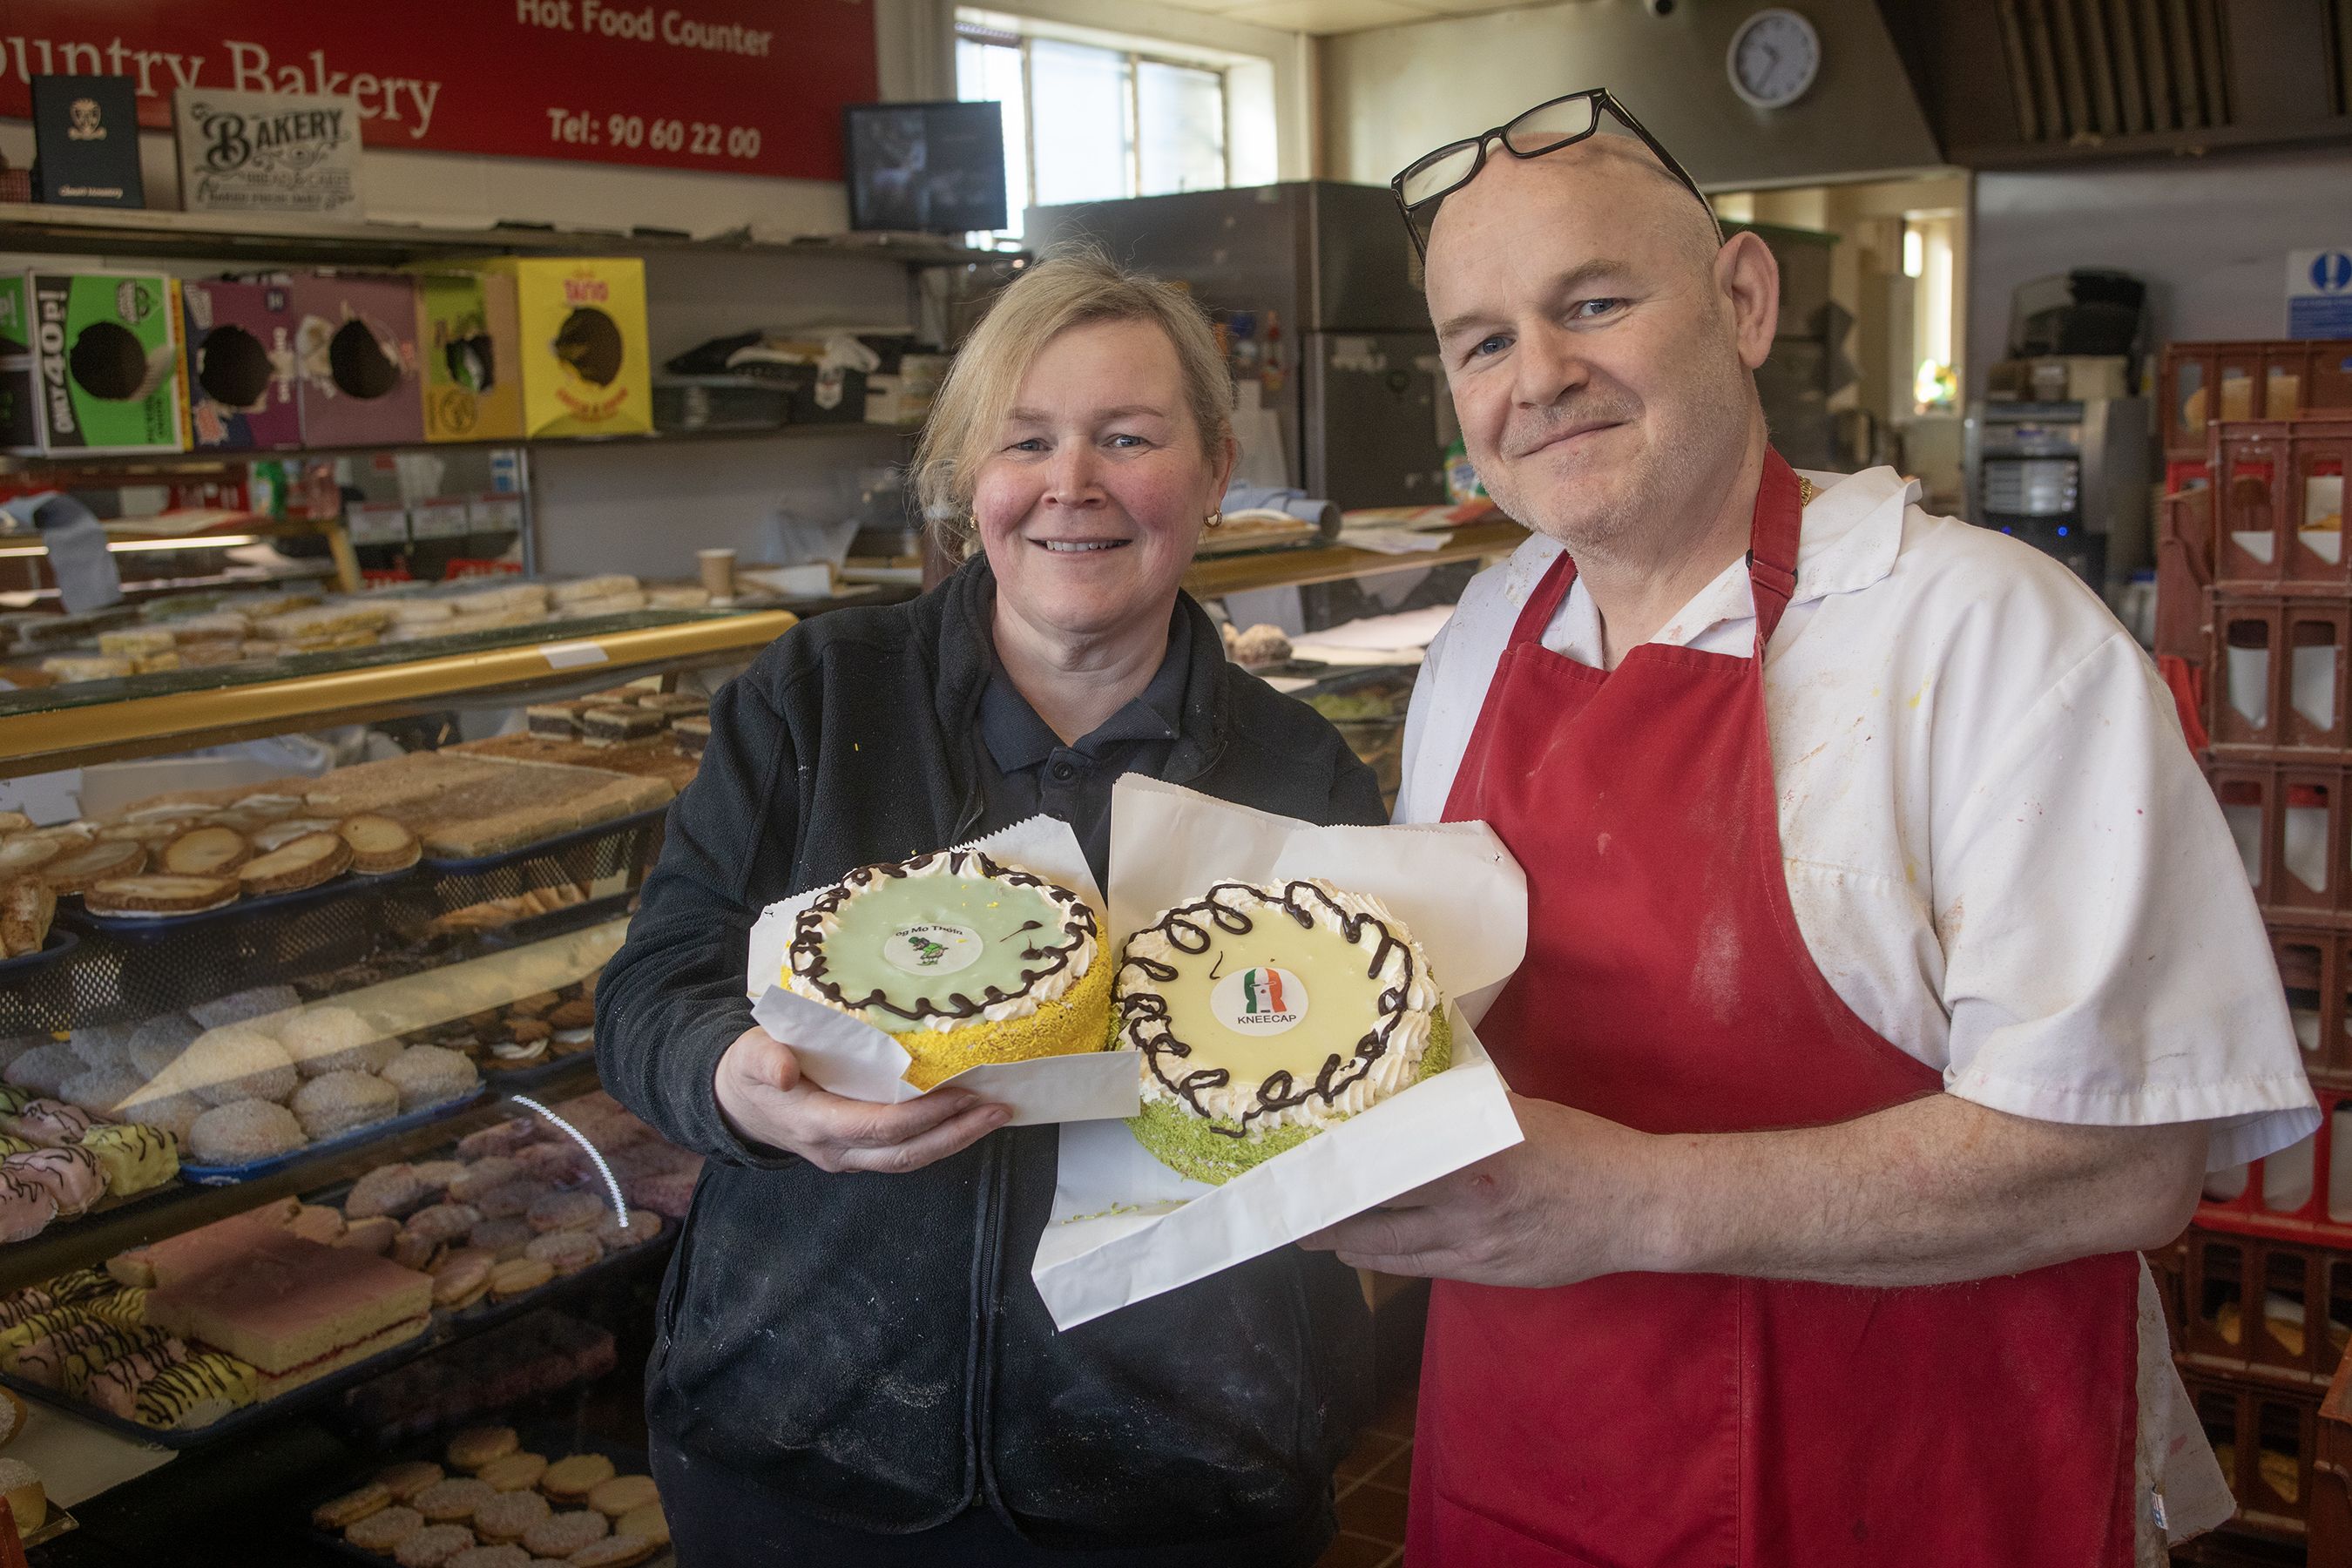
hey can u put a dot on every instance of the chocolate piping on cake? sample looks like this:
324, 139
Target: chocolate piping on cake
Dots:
1279, 1090
807, 952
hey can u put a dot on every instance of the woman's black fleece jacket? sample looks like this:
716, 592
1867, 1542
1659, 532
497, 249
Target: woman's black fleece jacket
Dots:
871, 1347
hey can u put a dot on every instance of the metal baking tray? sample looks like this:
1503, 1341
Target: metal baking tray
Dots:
61, 942
144, 926
548, 845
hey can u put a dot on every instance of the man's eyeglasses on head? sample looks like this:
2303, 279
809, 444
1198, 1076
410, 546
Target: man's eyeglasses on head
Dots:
1546, 128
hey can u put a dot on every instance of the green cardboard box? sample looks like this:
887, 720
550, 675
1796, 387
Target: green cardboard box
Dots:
20, 423
105, 361
471, 352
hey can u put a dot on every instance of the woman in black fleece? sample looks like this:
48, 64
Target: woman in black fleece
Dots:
854, 1367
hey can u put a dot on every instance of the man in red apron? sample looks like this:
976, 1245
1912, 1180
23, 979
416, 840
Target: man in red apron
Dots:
1764, 1286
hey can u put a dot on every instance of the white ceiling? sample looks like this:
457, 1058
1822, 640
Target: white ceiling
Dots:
1342, 16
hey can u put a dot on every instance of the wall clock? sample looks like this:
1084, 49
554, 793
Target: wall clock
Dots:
1774, 58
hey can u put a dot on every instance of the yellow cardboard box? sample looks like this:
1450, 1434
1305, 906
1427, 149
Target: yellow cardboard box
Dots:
582, 319
468, 337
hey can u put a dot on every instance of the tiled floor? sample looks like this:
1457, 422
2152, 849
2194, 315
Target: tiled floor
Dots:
1372, 1483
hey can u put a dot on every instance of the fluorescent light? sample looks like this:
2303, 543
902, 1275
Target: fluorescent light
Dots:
194, 542
147, 546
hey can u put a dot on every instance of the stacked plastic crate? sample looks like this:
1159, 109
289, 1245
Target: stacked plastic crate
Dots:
2254, 613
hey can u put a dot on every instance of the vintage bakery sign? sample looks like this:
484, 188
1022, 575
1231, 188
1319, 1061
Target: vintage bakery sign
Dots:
269, 153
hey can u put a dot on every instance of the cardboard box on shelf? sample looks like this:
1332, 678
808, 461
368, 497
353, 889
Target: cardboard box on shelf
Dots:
355, 354
585, 370
20, 423
467, 332
241, 386
101, 373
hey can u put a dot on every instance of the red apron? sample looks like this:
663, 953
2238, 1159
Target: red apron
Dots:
1698, 1421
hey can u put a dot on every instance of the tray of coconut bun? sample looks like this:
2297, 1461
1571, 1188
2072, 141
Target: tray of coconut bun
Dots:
198, 1336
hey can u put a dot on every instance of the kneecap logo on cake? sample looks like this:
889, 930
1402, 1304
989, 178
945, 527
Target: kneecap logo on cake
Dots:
933, 949
1260, 1001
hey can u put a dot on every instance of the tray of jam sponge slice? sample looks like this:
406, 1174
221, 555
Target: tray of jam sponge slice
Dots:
548, 1493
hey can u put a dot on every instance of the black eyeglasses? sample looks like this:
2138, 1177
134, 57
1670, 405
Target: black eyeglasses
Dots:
1546, 128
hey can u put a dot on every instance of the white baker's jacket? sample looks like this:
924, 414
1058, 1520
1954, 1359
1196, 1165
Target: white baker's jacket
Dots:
2000, 852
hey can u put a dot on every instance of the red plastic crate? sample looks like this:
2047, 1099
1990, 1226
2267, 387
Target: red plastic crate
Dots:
2254, 1305
2184, 570
2200, 382
2277, 669
2280, 503
2289, 819
2267, 1438
2294, 1194
2314, 966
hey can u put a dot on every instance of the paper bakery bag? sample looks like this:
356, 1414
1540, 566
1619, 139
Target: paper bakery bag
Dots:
849, 1057
1124, 1226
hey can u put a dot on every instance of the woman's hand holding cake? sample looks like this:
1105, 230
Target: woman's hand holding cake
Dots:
766, 1101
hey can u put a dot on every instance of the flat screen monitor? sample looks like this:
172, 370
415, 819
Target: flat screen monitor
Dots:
926, 168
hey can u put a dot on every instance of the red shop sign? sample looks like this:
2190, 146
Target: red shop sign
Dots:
736, 86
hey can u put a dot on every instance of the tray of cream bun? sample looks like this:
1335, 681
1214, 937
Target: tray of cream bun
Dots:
1234, 1058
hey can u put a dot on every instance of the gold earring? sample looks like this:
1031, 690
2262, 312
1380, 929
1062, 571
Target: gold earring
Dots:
1216, 517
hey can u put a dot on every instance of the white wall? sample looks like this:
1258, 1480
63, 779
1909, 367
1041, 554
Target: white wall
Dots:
1392, 94
2210, 235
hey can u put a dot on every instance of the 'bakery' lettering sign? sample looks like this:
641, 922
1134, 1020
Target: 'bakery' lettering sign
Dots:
269, 153
733, 85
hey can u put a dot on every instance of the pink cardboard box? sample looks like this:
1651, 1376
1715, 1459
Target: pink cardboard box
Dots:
242, 393
355, 354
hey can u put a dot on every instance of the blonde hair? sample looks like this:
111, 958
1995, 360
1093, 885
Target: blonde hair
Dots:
1069, 289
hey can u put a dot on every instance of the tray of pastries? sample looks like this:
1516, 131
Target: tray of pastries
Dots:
492, 1496
185, 1340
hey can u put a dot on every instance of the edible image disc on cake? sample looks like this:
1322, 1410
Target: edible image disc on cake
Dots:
1260, 1001
1266, 1014
931, 948
961, 958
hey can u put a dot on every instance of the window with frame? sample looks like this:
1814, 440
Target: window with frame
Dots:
1097, 121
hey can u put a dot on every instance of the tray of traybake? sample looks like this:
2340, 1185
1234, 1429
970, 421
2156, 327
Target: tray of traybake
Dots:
573, 1457
442, 1327
260, 1413
477, 865
530, 1178
588, 857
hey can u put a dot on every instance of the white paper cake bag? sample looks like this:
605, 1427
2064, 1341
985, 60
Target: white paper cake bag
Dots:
1124, 1226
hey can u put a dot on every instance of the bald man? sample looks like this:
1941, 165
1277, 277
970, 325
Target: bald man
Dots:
1890, 975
